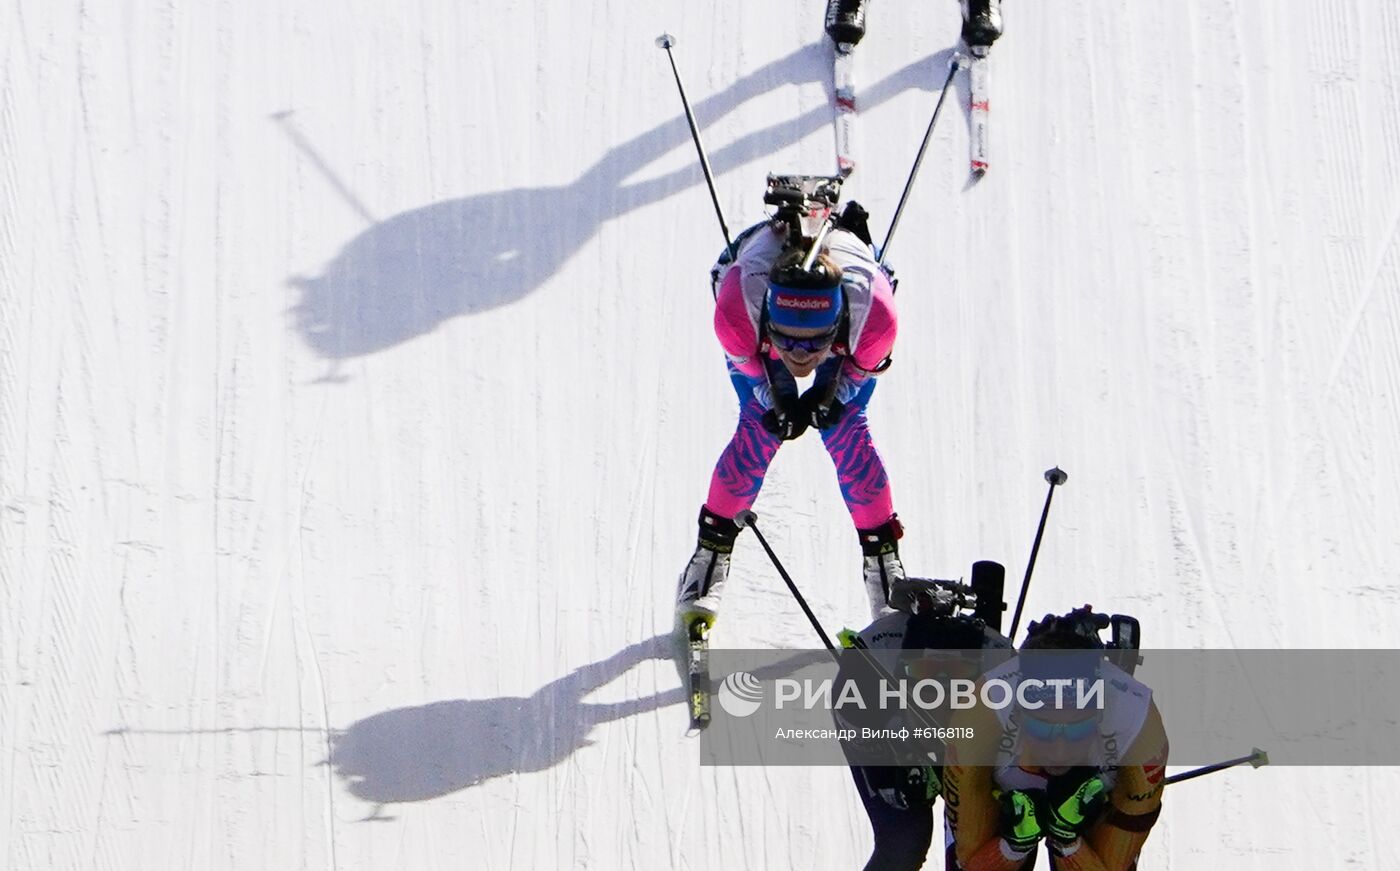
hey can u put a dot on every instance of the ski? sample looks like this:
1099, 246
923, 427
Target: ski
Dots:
844, 94
698, 674
981, 27
981, 106
845, 24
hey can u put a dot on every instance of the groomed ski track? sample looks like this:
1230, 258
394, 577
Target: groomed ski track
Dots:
358, 394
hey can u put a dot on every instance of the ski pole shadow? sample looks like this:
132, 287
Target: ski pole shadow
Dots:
405, 275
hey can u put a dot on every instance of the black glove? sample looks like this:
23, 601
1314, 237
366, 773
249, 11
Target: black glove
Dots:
787, 419
906, 788
825, 416
1020, 823
921, 785
819, 402
1072, 801
785, 425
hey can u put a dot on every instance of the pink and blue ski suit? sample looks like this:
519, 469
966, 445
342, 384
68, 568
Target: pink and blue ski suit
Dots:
859, 353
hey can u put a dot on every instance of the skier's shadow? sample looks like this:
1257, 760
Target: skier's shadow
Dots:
405, 275
428, 751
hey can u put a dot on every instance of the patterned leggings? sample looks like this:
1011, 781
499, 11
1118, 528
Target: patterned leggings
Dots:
739, 473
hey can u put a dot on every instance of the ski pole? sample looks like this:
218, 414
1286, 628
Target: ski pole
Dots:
750, 519
1255, 759
953, 67
1054, 477
665, 41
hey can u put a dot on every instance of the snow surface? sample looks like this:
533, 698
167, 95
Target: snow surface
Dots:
357, 395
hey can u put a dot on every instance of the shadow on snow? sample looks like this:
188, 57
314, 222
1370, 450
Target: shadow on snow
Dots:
403, 276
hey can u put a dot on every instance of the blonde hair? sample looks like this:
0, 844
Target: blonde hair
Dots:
787, 271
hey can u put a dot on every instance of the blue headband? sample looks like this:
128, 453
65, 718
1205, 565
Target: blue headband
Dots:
804, 308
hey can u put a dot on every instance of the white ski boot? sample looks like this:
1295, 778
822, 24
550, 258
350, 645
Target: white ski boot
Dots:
702, 583
883, 568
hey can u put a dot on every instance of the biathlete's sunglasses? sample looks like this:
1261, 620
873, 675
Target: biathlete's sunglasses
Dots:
1042, 730
811, 345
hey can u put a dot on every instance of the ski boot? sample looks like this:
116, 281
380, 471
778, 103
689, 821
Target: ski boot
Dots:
845, 22
882, 565
701, 584
981, 24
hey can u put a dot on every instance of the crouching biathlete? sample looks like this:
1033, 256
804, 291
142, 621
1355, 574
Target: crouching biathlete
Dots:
782, 313
925, 637
1086, 780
